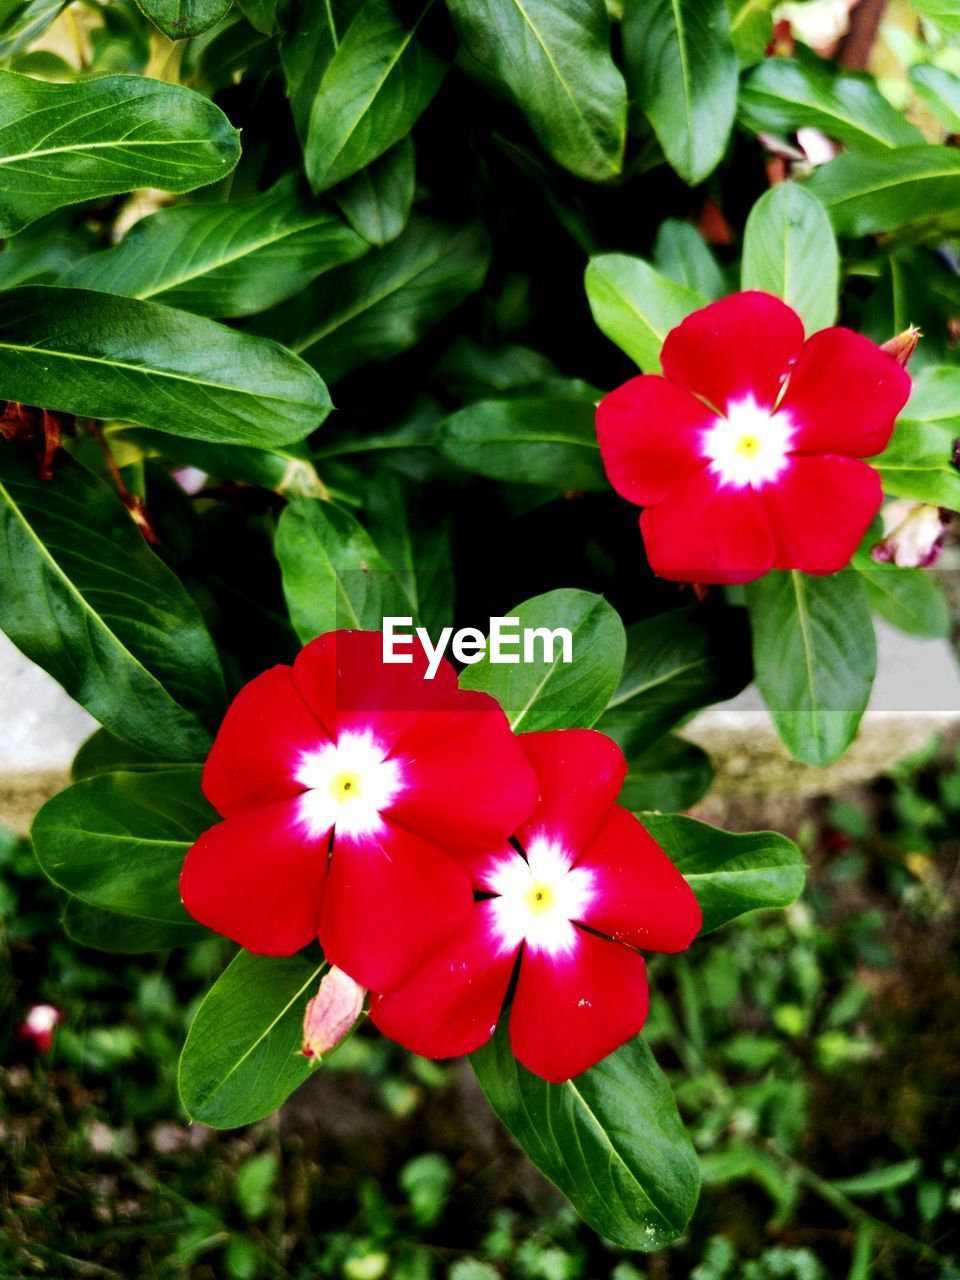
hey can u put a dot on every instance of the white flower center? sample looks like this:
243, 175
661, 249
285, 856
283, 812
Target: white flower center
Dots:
539, 897
348, 785
749, 446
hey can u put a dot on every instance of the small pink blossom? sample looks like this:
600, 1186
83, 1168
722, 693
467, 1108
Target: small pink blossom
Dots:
38, 1026
913, 534
331, 1013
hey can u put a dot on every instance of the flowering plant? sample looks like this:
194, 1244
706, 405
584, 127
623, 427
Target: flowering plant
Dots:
218, 219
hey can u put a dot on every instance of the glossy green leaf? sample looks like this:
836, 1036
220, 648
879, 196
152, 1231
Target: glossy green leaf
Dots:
261, 14
671, 774
333, 575
86, 599
919, 460
22, 21
552, 59
112, 135
101, 356
377, 200
378, 81
911, 599
288, 470
815, 658
123, 935
906, 187
677, 662
730, 874
181, 18
635, 306
104, 752
118, 840
227, 259
414, 537
311, 35
610, 1139
681, 254
546, 692
384, 304
545, 439
785, 94
241, 1058
683, 69
939, 90
789, 250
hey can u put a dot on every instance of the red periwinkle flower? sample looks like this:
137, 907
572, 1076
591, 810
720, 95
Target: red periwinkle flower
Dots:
579, 890
38, 1026
390, 778
745, 454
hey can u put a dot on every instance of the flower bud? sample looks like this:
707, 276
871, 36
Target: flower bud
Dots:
331, 1013
913, 534
37, 1027
903, 345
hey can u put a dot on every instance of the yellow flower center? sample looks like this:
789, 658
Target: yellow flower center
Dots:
540, 897
345, 786
747, 446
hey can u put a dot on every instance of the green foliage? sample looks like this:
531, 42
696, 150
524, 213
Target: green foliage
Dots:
635, 306
611, 1139
789, 250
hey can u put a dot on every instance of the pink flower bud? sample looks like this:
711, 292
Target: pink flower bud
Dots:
913, 534
37, 1027
331, 1013
903, 345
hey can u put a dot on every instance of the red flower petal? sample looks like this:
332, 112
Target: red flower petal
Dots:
649, 432
572, 1009
468, 782
258, 878
639, 896
344, 680
844, 394
391, 900
740, 346
580, 773
452, 1002
708, 532
819, 509
254, 759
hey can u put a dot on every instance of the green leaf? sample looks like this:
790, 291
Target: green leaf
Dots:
545, 692
181, 18
552, 60
907, 187
311, 36
261, 14
911, 599
86, 599
104, 752
384, 304
333, 574
815, 658
415, 539
112, 135
677, 662
789, 250
123, 935
23, 21
945, 14
241, 1058
227, 259
545, 439
730, 874
117, 841
101, 356
610, 1139
939, 90
918, 461
377, 200
671, 774
681, 254
288, 470
782, 95
751, 28
876, 1181
374, 88
683, 69
635, 306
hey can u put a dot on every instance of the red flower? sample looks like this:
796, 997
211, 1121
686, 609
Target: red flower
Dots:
400, 776
744, 455
38, 1026
589, 887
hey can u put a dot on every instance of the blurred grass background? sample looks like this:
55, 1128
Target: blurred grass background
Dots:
815, 1055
